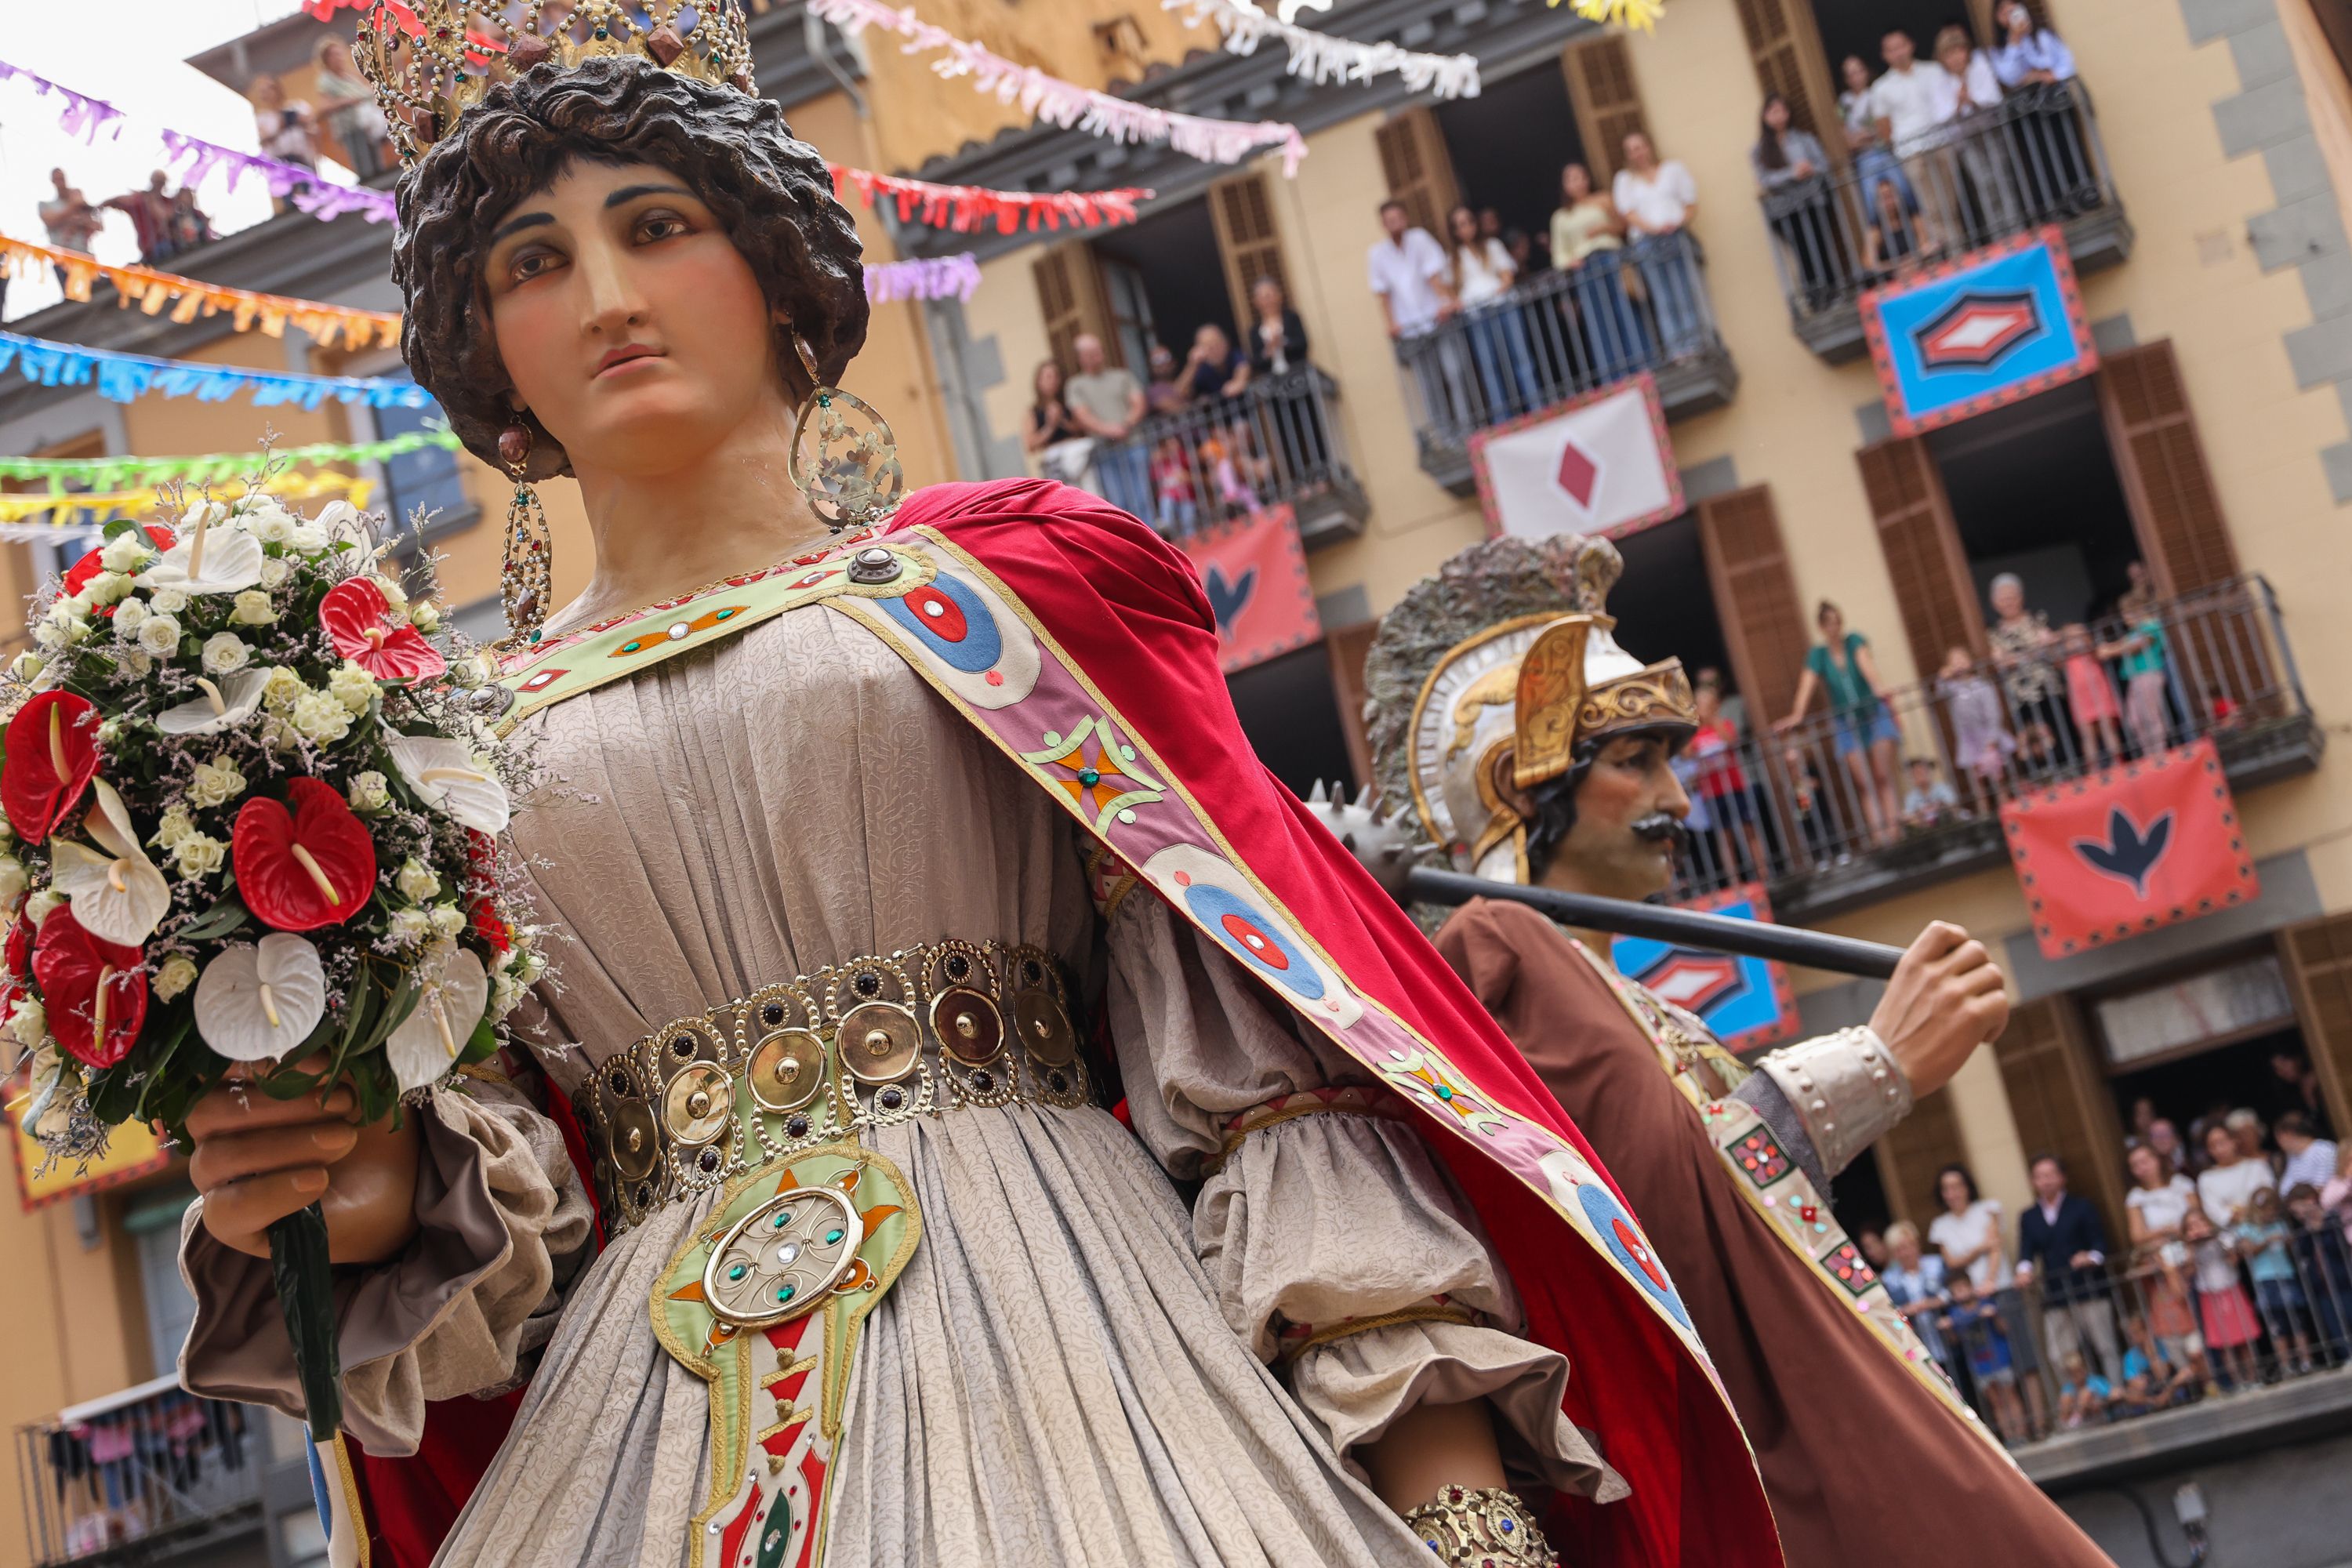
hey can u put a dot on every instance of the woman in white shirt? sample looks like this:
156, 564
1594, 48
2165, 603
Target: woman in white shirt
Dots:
2159, 1203
1976, 96
1967, 1233
2229, 1184
1483, 273
1659, 201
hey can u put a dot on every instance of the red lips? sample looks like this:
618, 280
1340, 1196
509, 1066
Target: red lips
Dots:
624, 354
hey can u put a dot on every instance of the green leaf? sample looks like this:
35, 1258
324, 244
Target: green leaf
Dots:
305, 1295
218, 922
118, 528
482, 1044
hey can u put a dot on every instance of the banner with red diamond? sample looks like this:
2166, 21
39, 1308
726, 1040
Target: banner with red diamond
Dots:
1988, 328
1747, 1002
1254, 571
2128, 850
1600, 464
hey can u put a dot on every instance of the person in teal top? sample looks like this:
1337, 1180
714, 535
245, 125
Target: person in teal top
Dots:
1841, 665
2142, 654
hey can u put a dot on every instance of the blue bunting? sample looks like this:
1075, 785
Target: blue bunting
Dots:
123, 378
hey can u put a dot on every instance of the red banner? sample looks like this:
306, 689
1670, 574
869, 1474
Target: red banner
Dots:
2129, 850
1255, 573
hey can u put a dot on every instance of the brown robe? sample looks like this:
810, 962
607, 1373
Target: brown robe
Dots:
1860, 1462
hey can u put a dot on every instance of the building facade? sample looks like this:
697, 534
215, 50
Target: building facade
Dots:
2194, 172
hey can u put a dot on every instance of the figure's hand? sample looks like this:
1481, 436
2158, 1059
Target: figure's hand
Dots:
1944, 1001
257, 1160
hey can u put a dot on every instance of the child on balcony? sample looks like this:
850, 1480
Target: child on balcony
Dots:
2083, 1395
2140, 654
2230, 1326
1981, 745
2278, 1294
1974, 1323
2324, 1261
1178, 510
2091, 696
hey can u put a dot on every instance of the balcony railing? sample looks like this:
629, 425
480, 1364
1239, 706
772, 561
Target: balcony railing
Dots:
1278, 443
1559, 335
142, 1477
2034, 160
1802, 810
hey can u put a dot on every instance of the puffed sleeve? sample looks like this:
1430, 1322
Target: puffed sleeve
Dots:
1339, 1247
503, 1224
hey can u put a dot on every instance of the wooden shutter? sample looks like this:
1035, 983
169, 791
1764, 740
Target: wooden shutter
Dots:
1418, 168
1933, 589
1608, 103
1246, 238
2162, 465
1755, 598
1910, 1154
1786, 47
1348, 646
2062, 1105
2318, 960
2335, 18
1070, 293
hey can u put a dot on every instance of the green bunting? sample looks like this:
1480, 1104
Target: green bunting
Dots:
122, 473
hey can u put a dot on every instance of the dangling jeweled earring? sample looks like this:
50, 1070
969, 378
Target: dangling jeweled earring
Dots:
849, 471
526, 576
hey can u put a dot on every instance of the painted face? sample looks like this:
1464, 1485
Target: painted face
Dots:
627, 320
1621, 844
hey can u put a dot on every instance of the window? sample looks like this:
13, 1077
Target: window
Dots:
423, 479
152, 1219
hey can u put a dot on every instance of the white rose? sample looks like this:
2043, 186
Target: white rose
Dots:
13, 880
252, 608
416, 881
353, 687
37, 907
426, 617
448, 920
394, 594
107, 588
133, 663
27, 666
29, 1024
225, 653
306, 537
506, 995
267, 522
410, 928
175, 826
369, 793
282, 690
534, 965
129, 616
160, 633
109, 733
70, 610
49, 635
319, 717
124, 552
274, 571
177, 973
215, 783
167, 601
199, 855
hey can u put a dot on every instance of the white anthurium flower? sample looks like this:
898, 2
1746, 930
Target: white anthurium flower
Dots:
255, 1004
117, 896
225, 705
443, 775
456, 994
212, 559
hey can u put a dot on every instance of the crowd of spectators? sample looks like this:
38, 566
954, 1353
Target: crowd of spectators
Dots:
2236, 1272
164, 222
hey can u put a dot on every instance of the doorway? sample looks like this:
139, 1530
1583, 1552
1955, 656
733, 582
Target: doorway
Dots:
2034, 491
1509, 143
2199, 1046
1662, 605
1165, 275
1291, 715
1856, 26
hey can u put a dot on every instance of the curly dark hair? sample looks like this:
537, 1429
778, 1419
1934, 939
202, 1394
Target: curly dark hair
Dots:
769, 190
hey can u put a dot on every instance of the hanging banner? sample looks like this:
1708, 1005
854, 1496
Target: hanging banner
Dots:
1325, 57
132, 1149
186, 298
81, 509
1743, 1001
1600, 464
1254, 571
1990, 328
124, 378
2129, 850
125, 472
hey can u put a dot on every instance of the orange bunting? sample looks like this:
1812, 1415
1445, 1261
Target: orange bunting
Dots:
186, 298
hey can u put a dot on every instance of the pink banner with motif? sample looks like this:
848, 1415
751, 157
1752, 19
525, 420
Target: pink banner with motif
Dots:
1254, 571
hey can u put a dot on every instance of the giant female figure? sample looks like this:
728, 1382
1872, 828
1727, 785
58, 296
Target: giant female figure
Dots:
882, 858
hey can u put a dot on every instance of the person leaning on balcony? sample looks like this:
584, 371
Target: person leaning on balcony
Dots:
1106, 401
1409, 275
1659, 201
2028, 54
1062, 450
1789, 162
1277, 338
2310, 1159
1968, 1234
1842, 665
1975, 98
2021, 644
1277, 346
1910, 101
1484, 275
2061, 1242
1587, 240
287, 132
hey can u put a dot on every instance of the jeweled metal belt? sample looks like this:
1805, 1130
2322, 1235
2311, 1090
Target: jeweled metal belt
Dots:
825, 1058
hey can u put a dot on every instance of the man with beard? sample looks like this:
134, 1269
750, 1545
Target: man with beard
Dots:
1534, 749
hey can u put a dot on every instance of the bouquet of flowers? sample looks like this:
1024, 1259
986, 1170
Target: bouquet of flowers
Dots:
250, 826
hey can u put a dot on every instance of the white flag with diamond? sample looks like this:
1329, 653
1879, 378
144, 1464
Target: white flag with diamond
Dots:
1598, 465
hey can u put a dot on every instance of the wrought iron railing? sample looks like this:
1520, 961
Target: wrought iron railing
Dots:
1277, 442
138, 1477
2036, 159
1555, 336
1808, 803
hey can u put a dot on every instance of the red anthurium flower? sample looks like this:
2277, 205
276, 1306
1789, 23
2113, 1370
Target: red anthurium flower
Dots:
15, 967
312, 866
78, 577
357, 616
52, 757
489, 929
96, 991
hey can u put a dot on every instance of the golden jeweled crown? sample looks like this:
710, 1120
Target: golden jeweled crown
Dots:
429, 61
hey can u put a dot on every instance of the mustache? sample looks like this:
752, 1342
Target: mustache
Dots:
1659, 827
